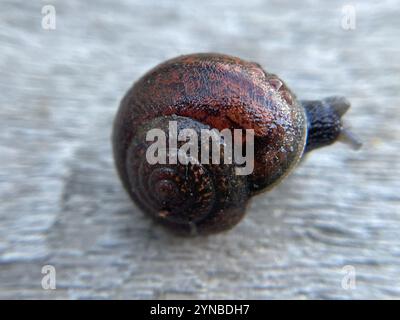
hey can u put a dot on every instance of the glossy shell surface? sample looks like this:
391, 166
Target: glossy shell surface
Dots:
217, 91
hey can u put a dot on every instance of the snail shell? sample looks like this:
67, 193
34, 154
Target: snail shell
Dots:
210, 91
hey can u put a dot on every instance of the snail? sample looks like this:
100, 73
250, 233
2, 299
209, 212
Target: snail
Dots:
210, 91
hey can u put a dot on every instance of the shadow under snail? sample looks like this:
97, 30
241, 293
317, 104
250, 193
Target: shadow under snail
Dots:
216, 91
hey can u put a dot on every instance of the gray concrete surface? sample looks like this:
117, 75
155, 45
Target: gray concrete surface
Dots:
62, 203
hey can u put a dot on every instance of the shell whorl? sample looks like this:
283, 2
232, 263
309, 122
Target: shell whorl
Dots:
188, 197
206, 91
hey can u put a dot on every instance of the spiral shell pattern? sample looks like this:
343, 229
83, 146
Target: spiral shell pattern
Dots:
185, 196
210, 91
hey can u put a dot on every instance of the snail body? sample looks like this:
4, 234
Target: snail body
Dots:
214, 91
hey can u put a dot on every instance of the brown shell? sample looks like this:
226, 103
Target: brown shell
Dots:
220, 92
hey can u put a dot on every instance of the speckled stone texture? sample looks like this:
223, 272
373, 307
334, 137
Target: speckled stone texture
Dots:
62, 202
